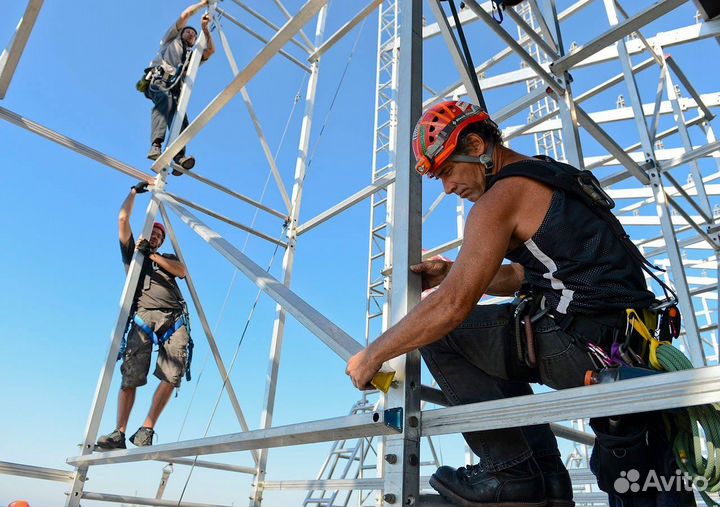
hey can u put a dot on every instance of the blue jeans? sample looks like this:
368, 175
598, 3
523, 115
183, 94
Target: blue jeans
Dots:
477, 362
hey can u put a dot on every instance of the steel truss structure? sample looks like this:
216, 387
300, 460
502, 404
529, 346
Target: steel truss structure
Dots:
662, 175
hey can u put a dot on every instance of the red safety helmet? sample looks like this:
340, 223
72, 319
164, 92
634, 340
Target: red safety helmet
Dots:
160, 226
19, 503
436, 133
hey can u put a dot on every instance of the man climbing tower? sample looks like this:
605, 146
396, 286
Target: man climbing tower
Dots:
575, 274
165, 75
158, 316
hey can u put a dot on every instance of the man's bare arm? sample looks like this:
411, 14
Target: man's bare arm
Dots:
124, 231
210, 48
507, 281
471, 275
175, 268
189, 13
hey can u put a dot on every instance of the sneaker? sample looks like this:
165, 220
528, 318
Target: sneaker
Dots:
155, 151
518, 486
558, 486
186, 163
115, 440
143, 437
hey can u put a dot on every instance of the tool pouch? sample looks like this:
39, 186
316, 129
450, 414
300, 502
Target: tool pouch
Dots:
620, 449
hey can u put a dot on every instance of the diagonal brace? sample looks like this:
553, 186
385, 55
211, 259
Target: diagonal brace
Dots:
338, 340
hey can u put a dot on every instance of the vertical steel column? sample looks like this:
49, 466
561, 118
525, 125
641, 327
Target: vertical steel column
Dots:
692, 333
402, 452
570, 135
288, 259
131, 281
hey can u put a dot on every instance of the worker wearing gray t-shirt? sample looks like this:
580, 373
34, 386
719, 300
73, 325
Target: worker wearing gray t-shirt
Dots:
166, 74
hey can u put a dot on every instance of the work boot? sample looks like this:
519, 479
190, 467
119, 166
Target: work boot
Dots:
155, 151
558, 486
143, 437
186, 163
518, 486
114, 440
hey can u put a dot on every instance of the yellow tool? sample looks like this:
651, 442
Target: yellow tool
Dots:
383, 380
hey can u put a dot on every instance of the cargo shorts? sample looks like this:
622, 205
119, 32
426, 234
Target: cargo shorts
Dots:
172, 354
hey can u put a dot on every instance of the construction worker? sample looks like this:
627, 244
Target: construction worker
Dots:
164, 77
578, 276
158, 316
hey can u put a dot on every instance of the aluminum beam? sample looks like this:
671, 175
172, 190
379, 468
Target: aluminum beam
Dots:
72, 144
33, 472
262, 39
134, 500
343, 30
519, 50
227, 383
405, 244
232, 193
338, 340
279, 40
270, 24
347, 427
256, 123
278, 334
354, 199
668, 390
616, 33
10, 57
212, 465
227, 220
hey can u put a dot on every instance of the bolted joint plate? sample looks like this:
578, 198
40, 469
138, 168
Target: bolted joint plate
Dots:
393, 418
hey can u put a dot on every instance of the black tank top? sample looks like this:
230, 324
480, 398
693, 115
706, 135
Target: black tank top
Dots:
578, 263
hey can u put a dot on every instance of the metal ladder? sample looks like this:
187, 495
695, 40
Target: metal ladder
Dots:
378, 251
549, 143
382, 164
353, 453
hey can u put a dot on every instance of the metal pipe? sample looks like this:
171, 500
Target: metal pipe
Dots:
262, 39
354, 199
347, 427
227, 220
227, 383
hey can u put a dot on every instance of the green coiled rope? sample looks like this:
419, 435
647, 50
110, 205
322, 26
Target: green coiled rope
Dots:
689, 441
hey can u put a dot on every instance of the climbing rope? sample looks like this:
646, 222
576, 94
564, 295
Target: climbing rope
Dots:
688, 444
689, 441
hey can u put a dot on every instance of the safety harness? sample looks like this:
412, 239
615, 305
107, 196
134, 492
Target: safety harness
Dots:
586, 187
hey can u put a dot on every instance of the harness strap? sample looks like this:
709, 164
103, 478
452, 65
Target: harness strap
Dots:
158, 340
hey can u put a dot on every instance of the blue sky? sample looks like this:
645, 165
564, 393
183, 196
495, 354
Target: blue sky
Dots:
61, 267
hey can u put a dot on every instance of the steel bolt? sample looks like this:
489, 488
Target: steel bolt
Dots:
389, 498
410, 500
391, 458
414, 460
413, 421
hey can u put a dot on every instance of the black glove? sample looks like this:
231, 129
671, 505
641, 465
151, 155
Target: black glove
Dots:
145, 248
141, 187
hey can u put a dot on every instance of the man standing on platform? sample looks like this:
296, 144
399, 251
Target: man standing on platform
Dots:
158, 316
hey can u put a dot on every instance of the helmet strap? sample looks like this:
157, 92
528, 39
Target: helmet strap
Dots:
485, 159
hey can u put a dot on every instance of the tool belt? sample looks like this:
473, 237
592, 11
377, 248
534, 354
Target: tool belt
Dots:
611, 339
